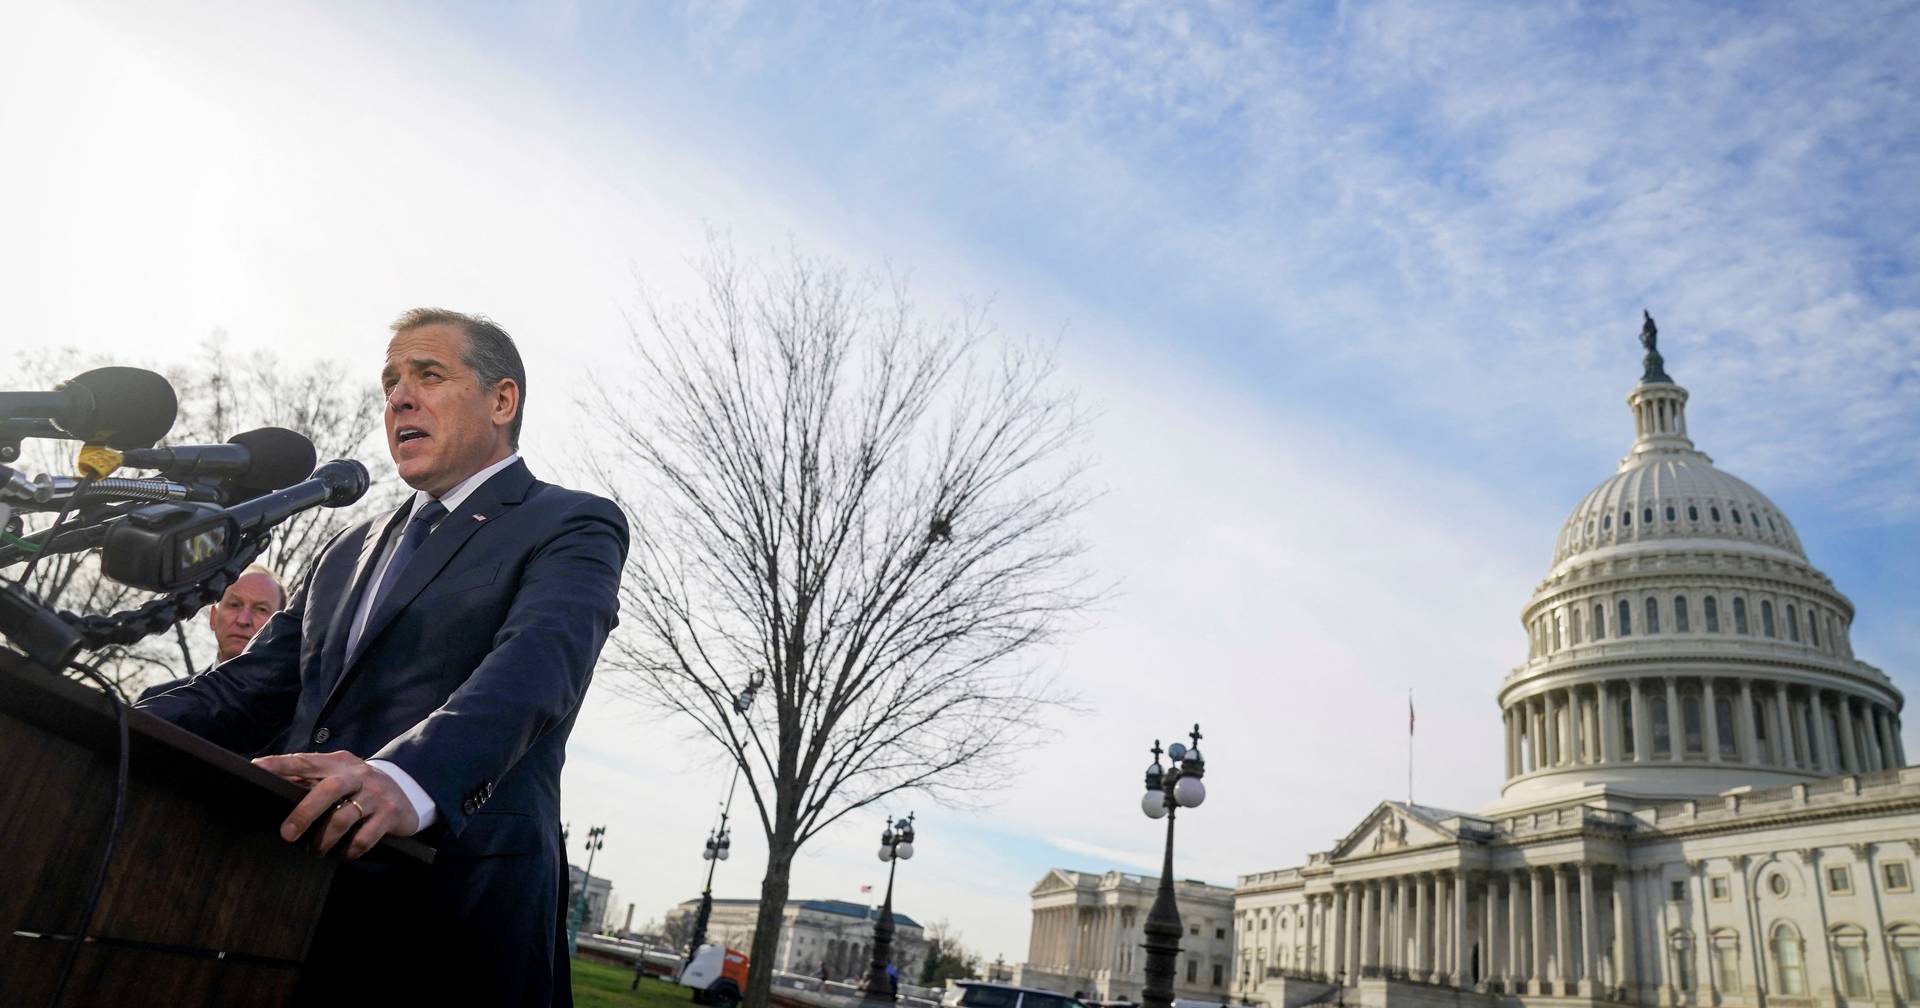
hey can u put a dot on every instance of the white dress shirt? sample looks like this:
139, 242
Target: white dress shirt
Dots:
423, 806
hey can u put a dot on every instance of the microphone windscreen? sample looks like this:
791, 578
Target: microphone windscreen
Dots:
132, 408
277, 458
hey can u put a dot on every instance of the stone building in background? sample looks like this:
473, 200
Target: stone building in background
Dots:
833, 934
1087, 933
599, 890
1706, 799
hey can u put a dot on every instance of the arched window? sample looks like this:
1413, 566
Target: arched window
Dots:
1623, 626
1766, 617
1599, 621
1626, 725
1755, 519
1789, 967
1559, 627
1793, 624
1573, 625
1693, 513
1626, 518
1712, 610
1690, 724
1680, 619
1646, 516
1813, 627
1715, 512
1726, 961
1606, 522
1736, 516
1740, 615
1680, 946
1905, 939
1850, 960
1669, 512
1653, 615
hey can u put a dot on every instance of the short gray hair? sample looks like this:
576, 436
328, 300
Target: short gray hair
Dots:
489, 352
279, 586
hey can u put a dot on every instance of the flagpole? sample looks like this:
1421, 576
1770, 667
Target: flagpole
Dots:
1409, 745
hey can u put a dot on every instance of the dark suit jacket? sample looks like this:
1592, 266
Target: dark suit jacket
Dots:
468, 676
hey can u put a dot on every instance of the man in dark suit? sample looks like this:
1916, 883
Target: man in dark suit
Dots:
424, 679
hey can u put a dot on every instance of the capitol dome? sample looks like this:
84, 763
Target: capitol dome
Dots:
1682, 643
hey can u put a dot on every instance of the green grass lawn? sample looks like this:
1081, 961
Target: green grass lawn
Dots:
597, 985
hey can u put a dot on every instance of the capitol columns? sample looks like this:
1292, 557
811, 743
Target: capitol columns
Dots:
1404, 917
1642, 726
1562, 968
1676, 726
1576, 728
1487, 946
1883, 728
1417, 961
1710, 719
1609, 723
1847, 751
1458, 932
1515, 974
1536, 958
1589, 945
1819, 744
1348, 957
1362, 959
1749, 742
1623, 971
1784, 737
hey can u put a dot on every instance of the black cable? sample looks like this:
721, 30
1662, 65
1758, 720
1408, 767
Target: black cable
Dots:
79, 490
113, 831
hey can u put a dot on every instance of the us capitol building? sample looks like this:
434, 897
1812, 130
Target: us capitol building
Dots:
1706, 798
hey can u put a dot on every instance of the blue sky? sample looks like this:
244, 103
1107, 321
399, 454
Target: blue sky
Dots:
1354, 286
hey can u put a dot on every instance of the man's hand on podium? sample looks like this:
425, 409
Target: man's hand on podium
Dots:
349, 794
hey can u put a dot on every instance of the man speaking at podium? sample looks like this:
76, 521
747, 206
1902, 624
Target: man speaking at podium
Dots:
425, 677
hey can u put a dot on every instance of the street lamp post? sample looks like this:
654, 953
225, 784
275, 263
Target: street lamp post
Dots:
718, 844
596, 839
896, 845
1168, 789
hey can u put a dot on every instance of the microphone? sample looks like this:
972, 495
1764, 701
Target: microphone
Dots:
337, 484
253, 462
121, 407
167, 547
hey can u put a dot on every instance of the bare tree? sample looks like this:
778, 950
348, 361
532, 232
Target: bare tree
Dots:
220, 394
872, 508
947, 956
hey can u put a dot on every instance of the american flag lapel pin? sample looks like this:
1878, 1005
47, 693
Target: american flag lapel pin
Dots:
479, 517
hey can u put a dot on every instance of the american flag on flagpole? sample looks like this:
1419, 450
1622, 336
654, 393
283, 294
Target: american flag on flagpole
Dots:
866, 888
1409, 712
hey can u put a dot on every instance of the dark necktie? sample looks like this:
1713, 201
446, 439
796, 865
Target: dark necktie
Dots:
416, 533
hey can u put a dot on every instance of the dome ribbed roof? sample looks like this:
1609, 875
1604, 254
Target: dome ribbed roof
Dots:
1669, 491
1674, 497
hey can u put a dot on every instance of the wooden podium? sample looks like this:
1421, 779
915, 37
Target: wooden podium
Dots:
204, 904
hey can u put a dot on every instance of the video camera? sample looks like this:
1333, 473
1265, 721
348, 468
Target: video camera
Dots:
185, 532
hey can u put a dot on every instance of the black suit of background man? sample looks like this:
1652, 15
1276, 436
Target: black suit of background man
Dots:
463, 683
